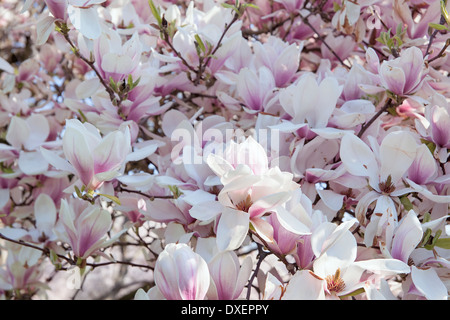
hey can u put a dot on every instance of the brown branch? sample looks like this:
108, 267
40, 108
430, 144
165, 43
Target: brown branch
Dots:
305, 21
372, 120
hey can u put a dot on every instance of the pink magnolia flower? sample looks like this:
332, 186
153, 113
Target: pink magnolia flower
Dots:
21, 270
300, 101
336, 251
93, 158
255, 88
405, 74
181, 274
435, 126
85, 227
114, 59
385, 166
250, 189
281, 58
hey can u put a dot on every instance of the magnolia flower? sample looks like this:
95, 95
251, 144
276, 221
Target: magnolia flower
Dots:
435, 126
405, 74
114, 59
281, 58
301, 99
181, 274
92, 158
21, 269
255, 88
25, 137
384, 166
250, 190
336, 251
85, 227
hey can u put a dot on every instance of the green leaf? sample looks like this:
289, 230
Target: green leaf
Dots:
200, 43
437, 26
110, 197
113, 84
444, 11
155, 13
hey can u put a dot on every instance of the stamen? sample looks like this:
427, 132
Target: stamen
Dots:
244, 205
335, 283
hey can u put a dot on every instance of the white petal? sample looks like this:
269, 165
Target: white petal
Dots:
384, 267
45, 213
429, 284
232, 229
85, 20
357, 157
32, 163
56, 161
290, 222
304, 286
397, 153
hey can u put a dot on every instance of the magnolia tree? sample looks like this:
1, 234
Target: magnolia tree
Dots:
285, 149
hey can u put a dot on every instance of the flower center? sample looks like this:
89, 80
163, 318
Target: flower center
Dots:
334, 282
387, 187
244, 205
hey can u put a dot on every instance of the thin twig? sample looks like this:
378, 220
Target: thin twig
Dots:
372, 120
305, 21
261, 256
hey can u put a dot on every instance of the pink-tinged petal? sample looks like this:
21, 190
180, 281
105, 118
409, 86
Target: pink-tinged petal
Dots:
424, 167
224, 270
290, 222
248, 89
92, 225
304, 254
181, 273
286, 65
44, 28
267, 203
110, 154
194, 277
284, 241
397, 153
413, 65
440, 126
58, 8
305, 286
428, 283
77, 151
407, 236
162, 210
393, 78
357, 157
232, 229
166, 276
